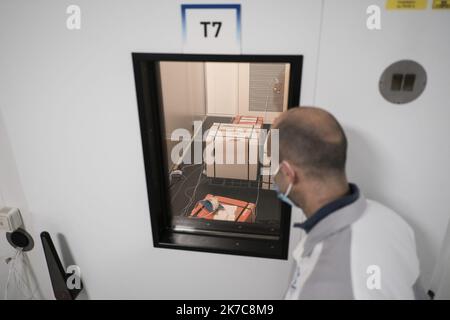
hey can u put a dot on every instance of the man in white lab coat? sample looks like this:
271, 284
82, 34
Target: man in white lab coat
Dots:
354, 248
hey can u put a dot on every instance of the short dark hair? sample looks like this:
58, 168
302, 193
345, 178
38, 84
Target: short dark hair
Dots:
307, 145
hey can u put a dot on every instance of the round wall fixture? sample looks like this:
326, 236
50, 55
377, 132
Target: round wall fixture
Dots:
20, 239
403, 81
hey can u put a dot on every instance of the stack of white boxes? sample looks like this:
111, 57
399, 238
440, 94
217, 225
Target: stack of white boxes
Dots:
232, 151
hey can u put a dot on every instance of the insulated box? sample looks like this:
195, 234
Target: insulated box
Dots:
232, 151
232, 210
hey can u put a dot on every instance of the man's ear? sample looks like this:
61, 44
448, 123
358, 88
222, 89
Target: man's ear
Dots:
289, 172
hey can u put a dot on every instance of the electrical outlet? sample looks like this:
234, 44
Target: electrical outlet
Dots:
10, 219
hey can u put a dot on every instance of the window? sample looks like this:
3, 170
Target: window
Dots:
205, 126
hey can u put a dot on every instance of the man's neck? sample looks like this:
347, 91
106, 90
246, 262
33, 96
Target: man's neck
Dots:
319, 195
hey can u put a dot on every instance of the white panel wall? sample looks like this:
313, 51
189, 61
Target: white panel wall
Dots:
399, 154
69, 108
222, 88
183, 99
440, 282
11, 194
183, 94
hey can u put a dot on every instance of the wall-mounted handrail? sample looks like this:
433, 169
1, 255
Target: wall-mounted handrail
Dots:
58, 275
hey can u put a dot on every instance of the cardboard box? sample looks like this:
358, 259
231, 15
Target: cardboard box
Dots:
233, 210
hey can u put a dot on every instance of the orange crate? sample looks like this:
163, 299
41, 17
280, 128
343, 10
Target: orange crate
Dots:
248, 120
243, 211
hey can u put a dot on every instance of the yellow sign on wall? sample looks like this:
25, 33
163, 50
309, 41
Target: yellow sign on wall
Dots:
406, 4
441, 4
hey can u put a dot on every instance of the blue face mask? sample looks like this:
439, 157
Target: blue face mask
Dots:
283, 196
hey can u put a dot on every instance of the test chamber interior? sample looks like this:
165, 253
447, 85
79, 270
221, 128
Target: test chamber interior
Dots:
205, 126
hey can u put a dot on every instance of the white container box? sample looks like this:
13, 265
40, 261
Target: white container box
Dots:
10, 219
232, 151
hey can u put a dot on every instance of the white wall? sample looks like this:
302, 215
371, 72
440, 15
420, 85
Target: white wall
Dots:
5, 249
222, 88
399, 154
11, 194
69, 107
440, 282
183, 94
183, 99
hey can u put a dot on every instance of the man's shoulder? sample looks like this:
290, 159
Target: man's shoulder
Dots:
378, 215
381, 238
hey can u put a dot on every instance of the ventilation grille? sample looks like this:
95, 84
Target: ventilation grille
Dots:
264, 77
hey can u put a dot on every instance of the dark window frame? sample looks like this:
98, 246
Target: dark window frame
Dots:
148, 92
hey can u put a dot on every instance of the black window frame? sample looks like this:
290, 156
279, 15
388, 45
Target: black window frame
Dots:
148, 93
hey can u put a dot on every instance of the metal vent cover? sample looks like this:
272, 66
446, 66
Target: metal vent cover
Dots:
267, 86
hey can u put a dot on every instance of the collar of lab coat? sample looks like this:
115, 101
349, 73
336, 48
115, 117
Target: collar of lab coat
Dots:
329, 208
333, 223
